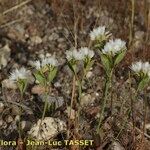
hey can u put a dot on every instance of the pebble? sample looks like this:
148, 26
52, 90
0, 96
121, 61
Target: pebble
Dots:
87, 99
139, 35
4, 56
50, 127
26, 125
15, 110
9, 84
1, 107
8, 119
89, 74
71, 114
36, 40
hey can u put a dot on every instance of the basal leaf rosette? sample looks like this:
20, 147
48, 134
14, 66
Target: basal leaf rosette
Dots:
46, 69
141, 72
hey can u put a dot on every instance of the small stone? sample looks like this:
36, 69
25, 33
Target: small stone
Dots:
117, 146
38, 89
87, 99
4, 125
70, 112
15, 110
1, 122
57, 84
1, 107
53, 37
49, 128
139, 35
4, 56
8, 119
89, 74
17, 118
9, 84
26, 125
36, 40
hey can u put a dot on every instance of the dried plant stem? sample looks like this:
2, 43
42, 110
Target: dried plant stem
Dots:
144, 121
132, 22
133, 100
16, 7
105, 97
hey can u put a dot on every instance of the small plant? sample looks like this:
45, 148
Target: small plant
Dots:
74, 58
21, 77
99, 36
46, 70
111, 53
141, 72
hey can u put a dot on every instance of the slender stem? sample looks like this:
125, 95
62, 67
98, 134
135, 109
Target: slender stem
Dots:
20, 114
79, 101
144, 119
105, 96
45, 107
133, 99
132, 22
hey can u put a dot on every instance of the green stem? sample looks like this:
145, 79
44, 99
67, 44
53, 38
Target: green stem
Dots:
45, 107
20, 114
107, 86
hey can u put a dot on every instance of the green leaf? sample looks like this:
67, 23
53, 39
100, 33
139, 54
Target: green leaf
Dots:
22, 84
106, 63
40, 78
99, 45
72, 66
143, 83
88, 65
52, 74
119, 58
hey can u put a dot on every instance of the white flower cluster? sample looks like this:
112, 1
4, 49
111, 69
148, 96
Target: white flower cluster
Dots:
141, 67
114, 46
99, 32
50, 61
83, 53
18, 74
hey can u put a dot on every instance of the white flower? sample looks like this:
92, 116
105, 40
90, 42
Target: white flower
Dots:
21, 73
99, 33
86, 52
114, 46
49, 61
149, 73
137, 66
74, 54
146, 67
141, 67
37, 64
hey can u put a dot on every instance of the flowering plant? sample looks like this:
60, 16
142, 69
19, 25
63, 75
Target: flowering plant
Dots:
21, 77
112, 53
46, 70
99, 36
142, 73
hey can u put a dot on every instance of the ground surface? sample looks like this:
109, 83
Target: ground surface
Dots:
52, 26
